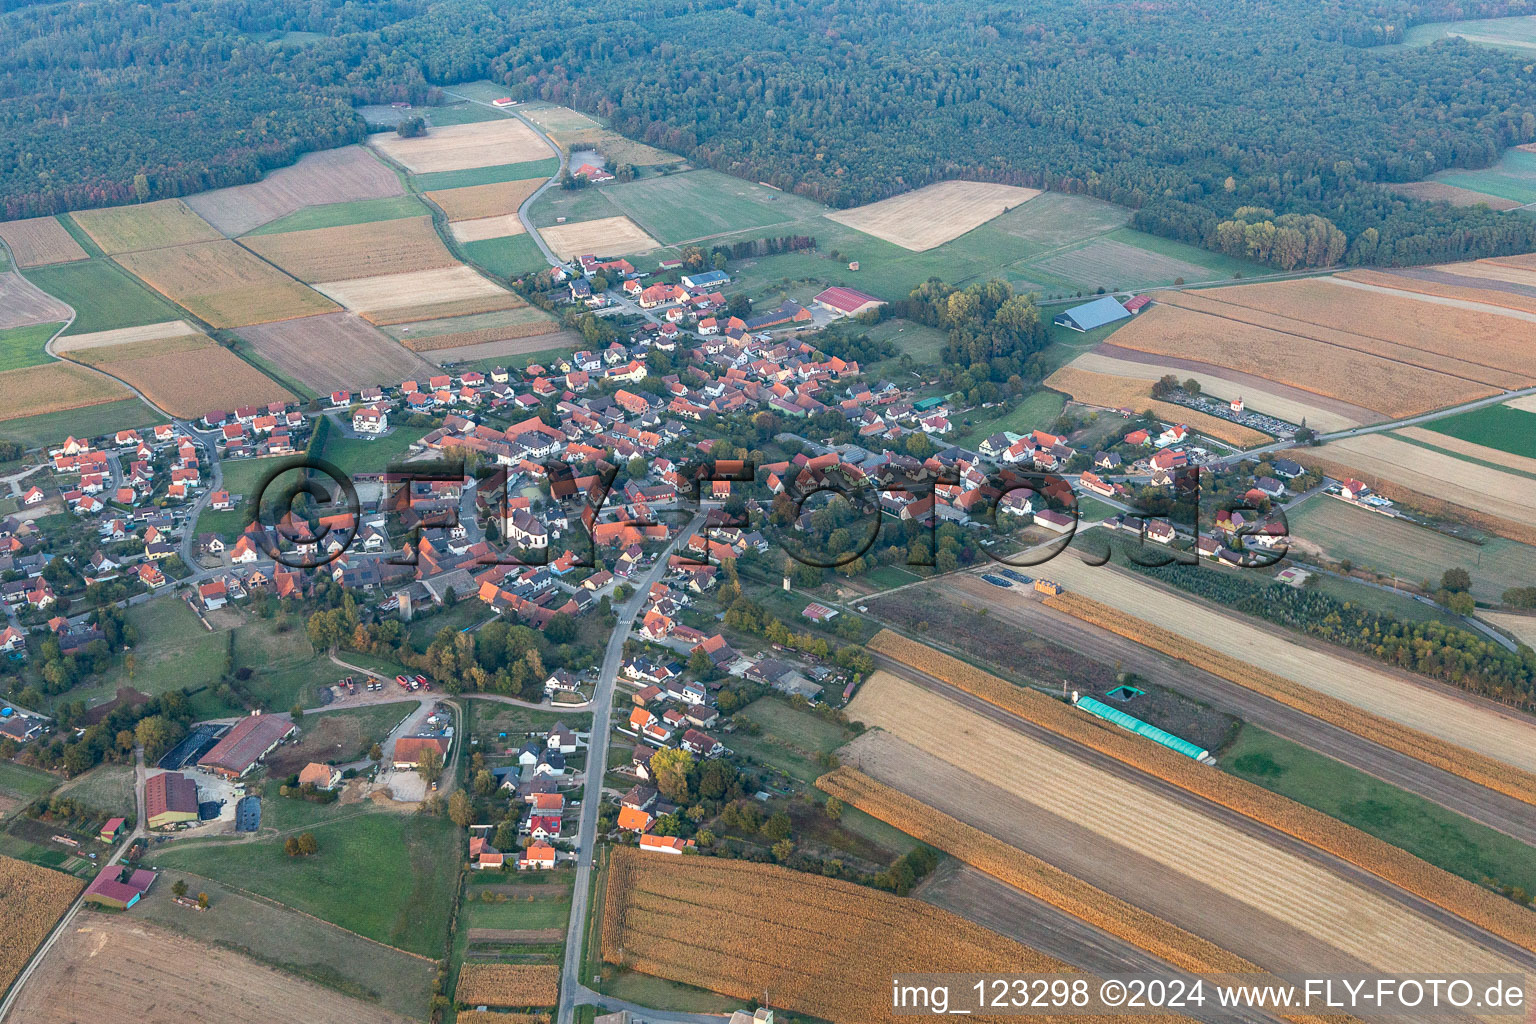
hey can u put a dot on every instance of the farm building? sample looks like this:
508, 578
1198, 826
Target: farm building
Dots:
1133, 724
321, 776
706, 280
409, 749
846, 301
251, 739
118, 887
169, 798
112, 829
1100, 311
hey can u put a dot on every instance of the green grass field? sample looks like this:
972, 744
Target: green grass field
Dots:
1517, 35
792, 739
460, 113
298, 945
506, 257
1033, 412
678, 208
23, 346
1513, 177
284, 668
353, 455
485, 175
1423, 828
1494, 426
1414, 553
387, 876
515, 912
107, 788
90, 421
174, 651
105, 297
23, 783
335, 215
576, 204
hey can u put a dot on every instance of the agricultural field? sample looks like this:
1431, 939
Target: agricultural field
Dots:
103, 295
86, 421
105, 963
542, 168
1512, 178
107, 788
158, 225
23, 304
53, 388
224, 284
1503, 736
1455, 195
463, 147
1521, 627
174, 651
1517, 34
187, 375
480, 201
611, 236
334, 351
1381, 384
401, 246
695, 920
1136, 824
401, 298
407, 907
346, 175
508, 985
512, 256
1414, 553
24, 346
1489, 431
1111, 392
1112, 264
1482, 286
574, 205
1444, 477
33, 898
525, 322
483, 229
340, 215
934, 214
23, 784
40, 241
678, 208
127, 336
386, 979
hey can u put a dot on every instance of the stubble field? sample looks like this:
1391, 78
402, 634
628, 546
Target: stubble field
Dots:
343, 175
120, 229
115, 969
125, 336
1472, 450
934, 214
1454, 285
427, 294
606, 236
1445, 477
483, 229
403, 246
40, 241
460, 147
224, 284
187, 375
335, 351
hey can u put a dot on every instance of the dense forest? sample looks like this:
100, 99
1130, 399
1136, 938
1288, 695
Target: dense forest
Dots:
1186, 111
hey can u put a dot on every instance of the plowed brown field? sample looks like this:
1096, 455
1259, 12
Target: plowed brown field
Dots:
187, 376
330, 176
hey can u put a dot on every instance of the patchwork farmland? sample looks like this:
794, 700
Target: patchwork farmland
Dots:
934, 214
54, 387
40, 241
479, 201
120, 229
23, 304
359, 250
186, 375
1485, 285
334, 351
223, 284
343, 175
610, 235
424, 295
462, 147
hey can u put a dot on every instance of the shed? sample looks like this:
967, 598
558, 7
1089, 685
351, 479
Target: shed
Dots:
1101, 311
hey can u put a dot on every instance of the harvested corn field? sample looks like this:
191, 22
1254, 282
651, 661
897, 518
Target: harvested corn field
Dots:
1112, 392
478, 201
1446, 477
23, 303
116, 969
120, 229
428, 294
342, 175
611, 236
186, 375
1286, 887
806, 943
1502, 738
334, 352
509, 985
125, 336
223, 284
460, 147
1521, 627
40, 241
401, 246
934, 214
1259, 395
1384, 385
32, 899
54, 387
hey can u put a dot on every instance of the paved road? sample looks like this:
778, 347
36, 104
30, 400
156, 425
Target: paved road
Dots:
522, 211
1525, 959
597, 759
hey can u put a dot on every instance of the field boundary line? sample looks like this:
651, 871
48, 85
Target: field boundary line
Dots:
1483, 909
257, 897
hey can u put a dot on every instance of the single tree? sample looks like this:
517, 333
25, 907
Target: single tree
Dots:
180, 887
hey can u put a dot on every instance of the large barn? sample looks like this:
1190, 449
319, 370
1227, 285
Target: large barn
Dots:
119, 887
1101, 311
250, 740
169, 798
846, 301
